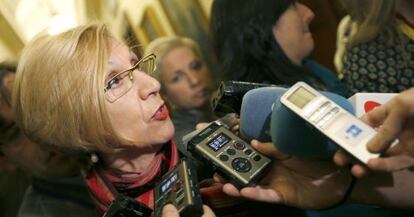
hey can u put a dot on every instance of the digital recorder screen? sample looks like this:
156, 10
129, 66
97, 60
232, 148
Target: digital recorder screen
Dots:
167, 184
218, 141
301, 97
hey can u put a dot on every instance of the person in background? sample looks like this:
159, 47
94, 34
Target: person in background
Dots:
55, 187
268, 42
13, 181
375, 45
186, 83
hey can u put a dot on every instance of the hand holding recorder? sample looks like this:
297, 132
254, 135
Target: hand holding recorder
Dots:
302, 183
228, 155
170, 211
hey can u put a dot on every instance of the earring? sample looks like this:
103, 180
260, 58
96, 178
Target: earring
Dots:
94, 158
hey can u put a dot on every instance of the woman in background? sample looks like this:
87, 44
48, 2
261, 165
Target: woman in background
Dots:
186, 83
268, 42
375, 45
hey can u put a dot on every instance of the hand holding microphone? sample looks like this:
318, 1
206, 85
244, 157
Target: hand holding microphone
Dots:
264, 118
394, 120
288, 176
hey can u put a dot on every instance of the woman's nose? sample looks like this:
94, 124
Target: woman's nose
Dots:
192, 78
306, 12
147, 86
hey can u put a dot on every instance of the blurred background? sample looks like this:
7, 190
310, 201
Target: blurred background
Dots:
139, 21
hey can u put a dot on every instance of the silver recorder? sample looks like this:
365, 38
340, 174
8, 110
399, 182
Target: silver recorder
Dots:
332, 120
179, 187
229, 155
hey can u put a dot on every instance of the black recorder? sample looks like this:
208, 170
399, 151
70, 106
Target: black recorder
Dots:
124, 206
228, 97
179, 187
229, 155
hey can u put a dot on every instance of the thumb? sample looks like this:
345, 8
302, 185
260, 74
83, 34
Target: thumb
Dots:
170, 211
269, 149
208, 212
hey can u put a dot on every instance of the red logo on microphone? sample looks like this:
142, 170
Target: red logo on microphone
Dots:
369, 105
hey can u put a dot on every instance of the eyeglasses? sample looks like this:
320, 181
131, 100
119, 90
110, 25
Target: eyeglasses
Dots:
117, 86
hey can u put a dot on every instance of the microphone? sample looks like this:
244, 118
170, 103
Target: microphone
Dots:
264, 118
255, 112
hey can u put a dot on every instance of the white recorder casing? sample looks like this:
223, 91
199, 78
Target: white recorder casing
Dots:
332, 120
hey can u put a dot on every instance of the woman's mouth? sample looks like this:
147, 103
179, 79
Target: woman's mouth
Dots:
201, 93
161, 114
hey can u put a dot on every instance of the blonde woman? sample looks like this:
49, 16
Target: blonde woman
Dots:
83, 91
375, 45
185, 80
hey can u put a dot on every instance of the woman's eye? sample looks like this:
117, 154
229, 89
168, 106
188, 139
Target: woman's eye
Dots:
196, 65
176, 78
113, 82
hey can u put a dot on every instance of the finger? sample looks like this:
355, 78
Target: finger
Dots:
260, 194
406, 138
208, 212
268, 149
359, 171
201, 126
396, 149
341, 158
235, 128
219, 179
376, 116
388, 131
231, 190
170, 211
393, 163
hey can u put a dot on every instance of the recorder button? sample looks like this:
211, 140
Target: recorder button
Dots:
177, 187
257, 158
248, 151
224, 157
169, 196
231, 151
180, 201
239, 145
241, 165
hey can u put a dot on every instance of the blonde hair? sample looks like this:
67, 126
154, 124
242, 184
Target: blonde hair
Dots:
58, 97
163, 45
370, 17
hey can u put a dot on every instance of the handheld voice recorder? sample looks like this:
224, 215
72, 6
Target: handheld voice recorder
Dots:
180, 188
229, 155
124, 206
332, 120
228, 97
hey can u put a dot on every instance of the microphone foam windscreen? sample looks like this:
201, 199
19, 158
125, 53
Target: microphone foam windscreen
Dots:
293, 135
255, 113
264, 118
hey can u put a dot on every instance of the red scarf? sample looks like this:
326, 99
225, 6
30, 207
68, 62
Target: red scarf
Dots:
138, 185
